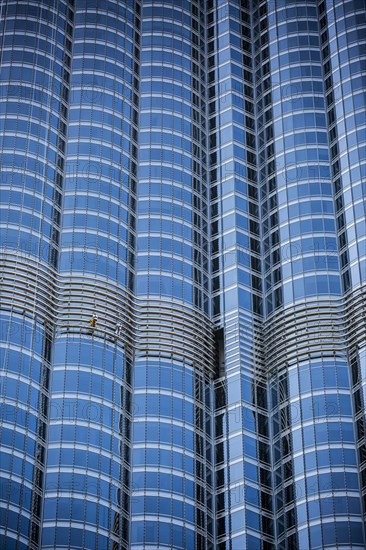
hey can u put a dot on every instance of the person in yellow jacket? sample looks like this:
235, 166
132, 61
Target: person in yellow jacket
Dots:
93, 320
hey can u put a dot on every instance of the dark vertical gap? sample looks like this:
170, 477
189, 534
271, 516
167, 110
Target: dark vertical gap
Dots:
359, 416
133, 175
53, 258
40, 451
122, 520
265, 239
220, 352
126, 490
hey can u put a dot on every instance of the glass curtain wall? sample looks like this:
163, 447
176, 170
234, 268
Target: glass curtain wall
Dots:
172, 479
36, 59
242, 453
87, 475
316, 478
183, 359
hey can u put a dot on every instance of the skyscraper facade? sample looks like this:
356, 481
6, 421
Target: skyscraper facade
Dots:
183, 264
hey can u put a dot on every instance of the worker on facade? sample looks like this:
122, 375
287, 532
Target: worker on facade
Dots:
118, 330
93, 320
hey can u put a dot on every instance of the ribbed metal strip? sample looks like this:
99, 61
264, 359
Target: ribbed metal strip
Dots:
27, 287
172, 328
316, 326
243, 343
148, 326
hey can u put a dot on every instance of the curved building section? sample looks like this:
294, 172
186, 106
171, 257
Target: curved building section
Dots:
172, 190
316, 483
171, 502
344, 51
87, 476
344, 57
35, 59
